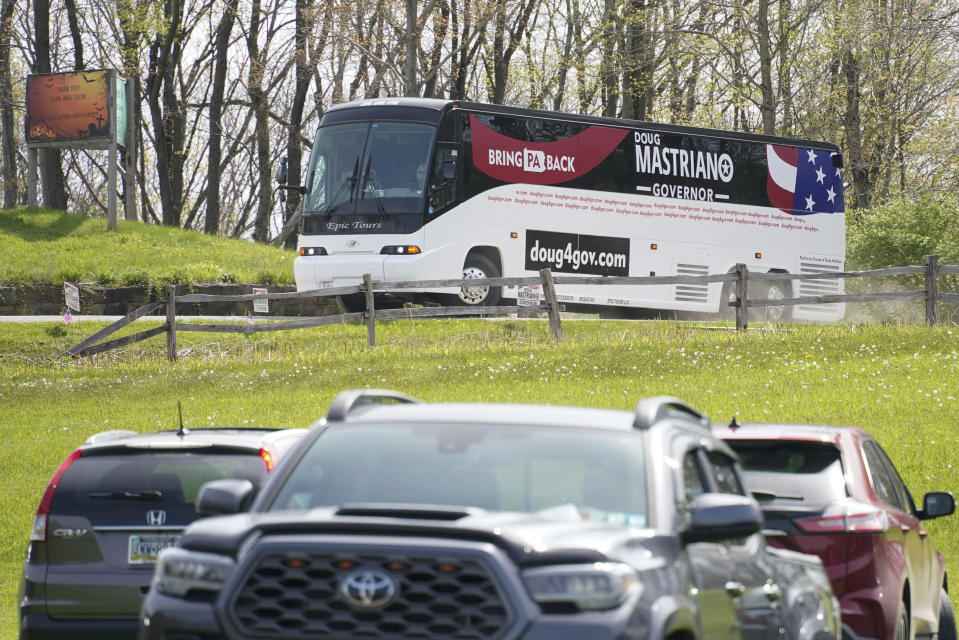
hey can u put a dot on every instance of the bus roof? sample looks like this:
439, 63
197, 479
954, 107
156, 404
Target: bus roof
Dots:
440, 106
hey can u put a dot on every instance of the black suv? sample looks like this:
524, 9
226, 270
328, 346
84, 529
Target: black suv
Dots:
397, 519
111, 507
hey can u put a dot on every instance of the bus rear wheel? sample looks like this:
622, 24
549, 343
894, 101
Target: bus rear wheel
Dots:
772, 291
478, 266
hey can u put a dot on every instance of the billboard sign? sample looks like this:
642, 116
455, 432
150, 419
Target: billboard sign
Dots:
72, 109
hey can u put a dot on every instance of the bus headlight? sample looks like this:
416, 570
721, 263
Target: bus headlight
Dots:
400, 250
591, 587
313, 251
178, 572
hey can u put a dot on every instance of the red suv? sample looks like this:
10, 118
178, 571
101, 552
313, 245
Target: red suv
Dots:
833, 492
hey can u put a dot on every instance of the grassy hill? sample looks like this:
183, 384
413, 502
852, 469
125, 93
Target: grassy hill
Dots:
899, 382
45, 246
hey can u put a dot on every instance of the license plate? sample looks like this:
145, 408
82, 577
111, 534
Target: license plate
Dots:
144, 549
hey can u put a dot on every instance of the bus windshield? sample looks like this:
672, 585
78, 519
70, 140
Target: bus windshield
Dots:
369, 168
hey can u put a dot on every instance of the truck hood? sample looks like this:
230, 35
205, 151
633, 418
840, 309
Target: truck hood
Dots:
529, 539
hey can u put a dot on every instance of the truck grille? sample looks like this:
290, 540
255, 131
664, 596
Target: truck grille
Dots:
298, 595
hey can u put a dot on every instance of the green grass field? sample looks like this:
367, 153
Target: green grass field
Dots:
901, 383
41, 246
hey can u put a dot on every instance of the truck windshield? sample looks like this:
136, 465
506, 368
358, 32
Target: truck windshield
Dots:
574, 474
366, 168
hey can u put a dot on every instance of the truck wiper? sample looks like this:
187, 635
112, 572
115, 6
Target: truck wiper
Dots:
128, 495
768, 496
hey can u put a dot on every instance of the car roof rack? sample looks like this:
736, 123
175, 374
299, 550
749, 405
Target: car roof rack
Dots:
649, 411
348, 401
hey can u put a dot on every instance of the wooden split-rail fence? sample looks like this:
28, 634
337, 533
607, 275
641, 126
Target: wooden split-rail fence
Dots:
741, 278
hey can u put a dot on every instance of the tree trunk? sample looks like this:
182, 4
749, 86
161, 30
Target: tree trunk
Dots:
168, 113
51, 170
637, 62
132, 30
75, 35
767, 107
261, 112
412, 41
211, 224
11, 185
294, 151
608, 68
852, 126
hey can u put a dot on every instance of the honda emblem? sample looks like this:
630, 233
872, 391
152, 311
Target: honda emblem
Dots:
156, 518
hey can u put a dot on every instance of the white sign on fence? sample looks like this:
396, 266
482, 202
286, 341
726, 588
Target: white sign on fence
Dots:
261, 306
529, 295
71, 293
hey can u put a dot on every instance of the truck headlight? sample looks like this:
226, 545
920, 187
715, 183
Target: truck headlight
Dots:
178, 571
591, 587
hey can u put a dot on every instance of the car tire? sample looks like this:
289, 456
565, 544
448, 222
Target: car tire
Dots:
947, 617
477, 266
902, 624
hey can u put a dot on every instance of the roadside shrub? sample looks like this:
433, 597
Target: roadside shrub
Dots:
903, 233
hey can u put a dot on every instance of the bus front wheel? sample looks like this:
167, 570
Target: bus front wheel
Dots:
478, 266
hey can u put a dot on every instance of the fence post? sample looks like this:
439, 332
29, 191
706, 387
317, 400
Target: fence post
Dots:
932, 290
742, 310
370, 311
549, 292
171, 322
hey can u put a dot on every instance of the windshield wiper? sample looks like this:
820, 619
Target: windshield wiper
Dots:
768, 496
345, 188
128, 495
369, 180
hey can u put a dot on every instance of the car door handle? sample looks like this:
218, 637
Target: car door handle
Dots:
735, 588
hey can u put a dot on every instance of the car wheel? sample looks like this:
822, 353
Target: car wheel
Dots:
902, 625
478, 266
947, 617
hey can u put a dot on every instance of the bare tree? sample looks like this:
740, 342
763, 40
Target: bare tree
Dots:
51, 167
9, 143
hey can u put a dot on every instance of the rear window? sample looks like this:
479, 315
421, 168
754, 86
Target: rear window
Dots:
111, 488
807, 473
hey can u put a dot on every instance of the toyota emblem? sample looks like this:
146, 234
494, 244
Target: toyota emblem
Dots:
367, 589
156, 518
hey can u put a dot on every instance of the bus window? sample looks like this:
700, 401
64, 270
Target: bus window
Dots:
389, 180
334, 160
443, 192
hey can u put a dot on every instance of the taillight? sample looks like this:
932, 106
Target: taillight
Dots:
39, 533
267, 459
846, 517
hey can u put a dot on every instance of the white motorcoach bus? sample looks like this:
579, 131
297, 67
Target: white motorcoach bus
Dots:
417, 189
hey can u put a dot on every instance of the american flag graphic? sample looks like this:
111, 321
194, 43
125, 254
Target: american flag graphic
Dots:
803, 181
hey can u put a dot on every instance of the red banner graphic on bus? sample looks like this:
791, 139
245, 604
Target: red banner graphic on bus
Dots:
511, 160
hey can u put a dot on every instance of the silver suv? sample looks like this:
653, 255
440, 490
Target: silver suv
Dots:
111, 507
398, 519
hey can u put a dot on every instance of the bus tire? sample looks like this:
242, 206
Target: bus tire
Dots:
776, 290
478, 266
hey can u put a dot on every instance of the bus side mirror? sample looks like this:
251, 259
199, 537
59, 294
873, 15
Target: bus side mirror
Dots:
449, 169
281, 173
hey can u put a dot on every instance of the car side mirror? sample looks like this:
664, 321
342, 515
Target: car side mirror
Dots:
230, 495
449, 169
722, 516
936, 504
282, 173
